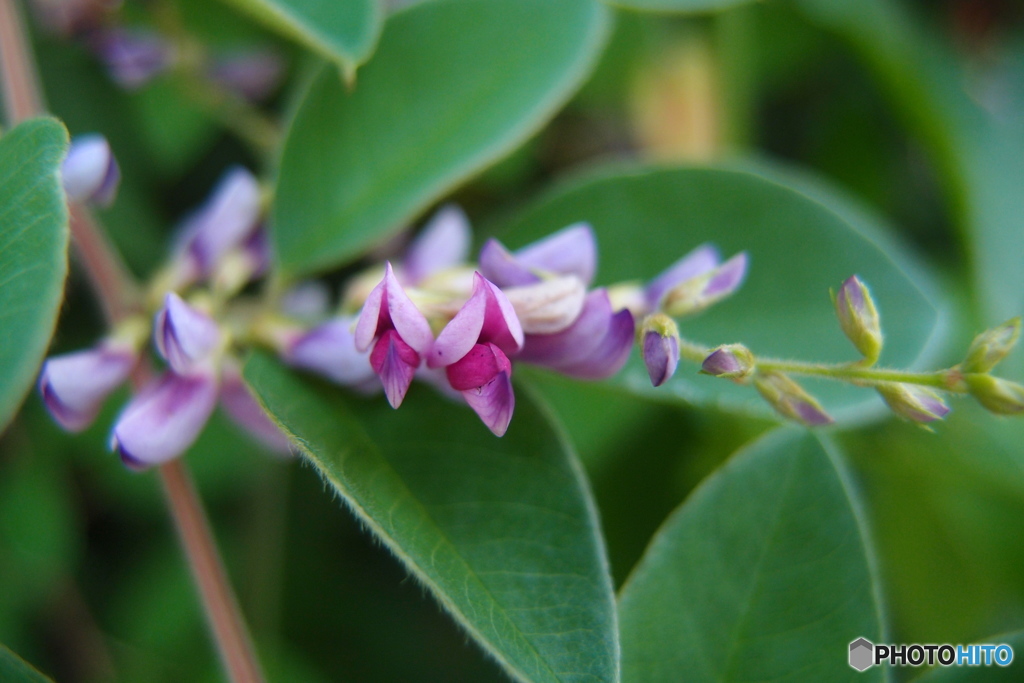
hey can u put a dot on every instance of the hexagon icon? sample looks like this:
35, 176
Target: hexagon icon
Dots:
861, 654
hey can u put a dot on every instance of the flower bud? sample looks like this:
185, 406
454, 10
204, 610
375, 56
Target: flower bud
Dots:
999, 396
185, 336
165, 418
75, 385
790, 400
734, 361
912, 402
991, 346
694, 295
90, 173
659, 338
133, 57
858, 318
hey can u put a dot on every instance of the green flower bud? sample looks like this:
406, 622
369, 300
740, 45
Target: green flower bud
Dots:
790, 400
858, 318
998, 396
912, 402
991, 346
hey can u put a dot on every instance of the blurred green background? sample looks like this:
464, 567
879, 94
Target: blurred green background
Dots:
94, 586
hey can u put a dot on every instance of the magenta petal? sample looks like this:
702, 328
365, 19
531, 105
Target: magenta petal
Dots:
494, 402
478, 367
75, 385
501, 324
240, 405
395, 362
183, 335
329, 349
443, 243
596, 346
570, 251
487, 316
229, 216
161, 422
699, 261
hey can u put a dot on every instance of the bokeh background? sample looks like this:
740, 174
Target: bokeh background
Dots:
93, 585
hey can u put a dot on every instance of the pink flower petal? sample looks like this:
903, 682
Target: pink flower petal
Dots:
493, 403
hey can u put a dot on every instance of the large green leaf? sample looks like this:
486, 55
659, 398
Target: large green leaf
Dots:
344, 31
983, 674
681, 6
803, 238
764, 574
502, 531
33, 252
455, 85
14, 669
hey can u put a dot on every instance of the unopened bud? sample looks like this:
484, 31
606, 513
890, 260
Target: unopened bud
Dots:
913, 402
858, 318
734, 361
659, 338
694, 295
999, 396
991, 346
90, 173
790, 400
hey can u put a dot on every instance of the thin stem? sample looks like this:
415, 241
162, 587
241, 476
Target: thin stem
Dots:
947, 380
20, 83
222, 611
117, 292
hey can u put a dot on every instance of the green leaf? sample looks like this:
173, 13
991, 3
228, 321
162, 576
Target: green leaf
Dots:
983, 674
502, 531
438, 103
33, 252
803, 239
14, 669
344, 31
764, 573
681, 6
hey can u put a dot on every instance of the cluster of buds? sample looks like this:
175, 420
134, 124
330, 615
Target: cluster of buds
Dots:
135, 55
913, 397
428, 314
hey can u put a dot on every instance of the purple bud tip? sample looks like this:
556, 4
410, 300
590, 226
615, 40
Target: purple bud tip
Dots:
858, 318
730, 360
661, 355
90, 173
184, 336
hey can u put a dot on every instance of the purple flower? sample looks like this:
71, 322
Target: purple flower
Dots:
184, 336
570, 251
696, 281
252, 74
132, 56
913, 402
474, 348
330, 350
227, 221
659, 338
858, 318
790, 400
442, 244
165, 418
595, 346
734, 361
74, 385
397, 332
548, 306
240, 405
90, 173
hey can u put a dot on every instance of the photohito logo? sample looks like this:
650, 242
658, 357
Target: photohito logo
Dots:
864, 654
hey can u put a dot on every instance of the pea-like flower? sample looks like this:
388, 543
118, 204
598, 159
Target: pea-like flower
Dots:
695, 282
474, 348
570, 251
396, 333
74, 385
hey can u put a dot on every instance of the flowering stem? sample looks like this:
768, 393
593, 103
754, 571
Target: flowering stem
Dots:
117, 291
222, 612
946, 380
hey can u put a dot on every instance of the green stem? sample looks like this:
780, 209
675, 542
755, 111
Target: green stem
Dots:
946, 380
